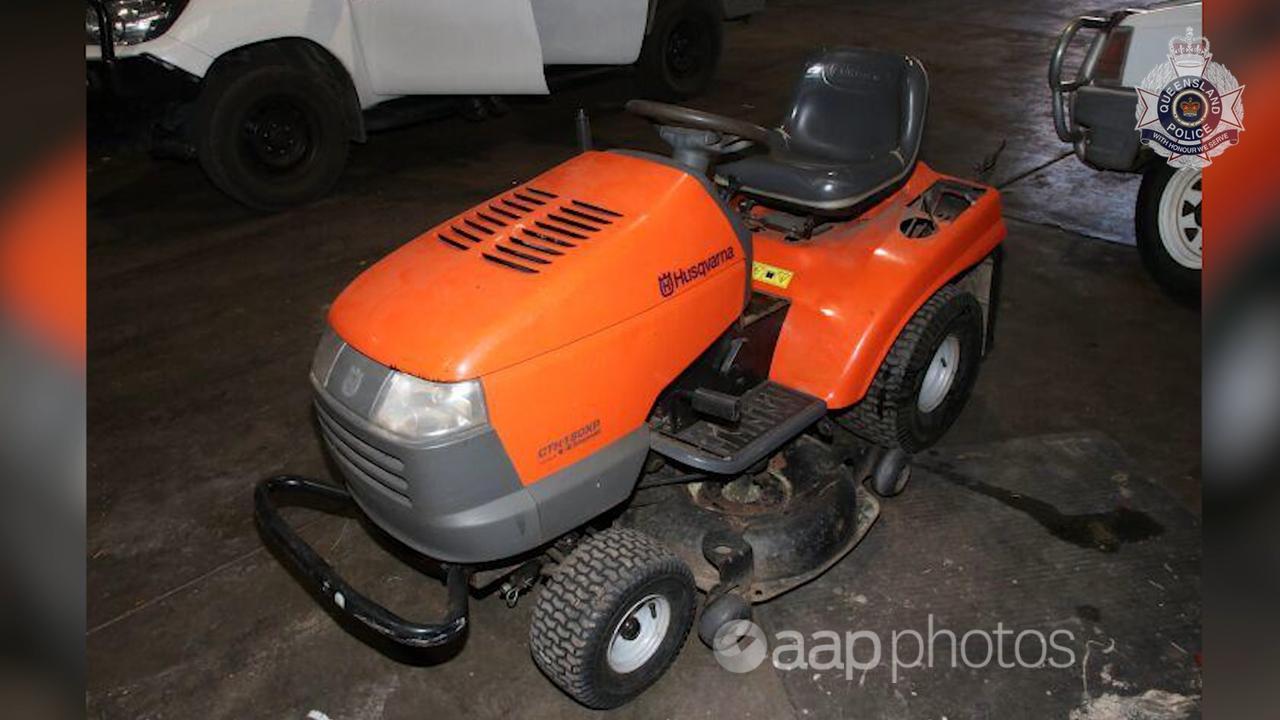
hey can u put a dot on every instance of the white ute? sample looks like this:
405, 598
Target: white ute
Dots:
283, 84
1095, 112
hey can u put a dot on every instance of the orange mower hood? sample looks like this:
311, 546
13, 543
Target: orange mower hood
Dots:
596, 240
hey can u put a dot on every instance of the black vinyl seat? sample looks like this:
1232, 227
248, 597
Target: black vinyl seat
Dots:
851, 136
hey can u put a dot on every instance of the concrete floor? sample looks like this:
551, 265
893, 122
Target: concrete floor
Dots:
204, 316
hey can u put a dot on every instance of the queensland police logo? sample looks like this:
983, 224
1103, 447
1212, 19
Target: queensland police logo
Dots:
1190, 109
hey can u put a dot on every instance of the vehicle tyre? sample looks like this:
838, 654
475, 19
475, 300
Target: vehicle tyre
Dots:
612, 617
1167, 224
270, 135
927, 376
682, 49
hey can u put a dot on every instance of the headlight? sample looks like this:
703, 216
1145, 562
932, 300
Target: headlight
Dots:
133, 21
419, 409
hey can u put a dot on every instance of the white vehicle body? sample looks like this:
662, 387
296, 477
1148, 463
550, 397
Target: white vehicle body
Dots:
277, 88
392, 48
1096, 113
1152, 28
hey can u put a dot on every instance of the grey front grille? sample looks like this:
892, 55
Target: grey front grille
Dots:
363, 460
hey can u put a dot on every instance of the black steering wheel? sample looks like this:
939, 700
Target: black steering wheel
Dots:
697, 137
685, 117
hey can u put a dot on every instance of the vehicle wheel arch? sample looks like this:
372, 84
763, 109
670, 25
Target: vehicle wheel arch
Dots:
653, 9
874, 342
304, 53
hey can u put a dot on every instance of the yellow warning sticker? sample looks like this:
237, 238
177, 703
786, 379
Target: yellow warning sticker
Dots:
771, 275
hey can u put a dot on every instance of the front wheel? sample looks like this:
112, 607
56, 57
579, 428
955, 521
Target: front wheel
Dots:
612, 617
681, 50
269, 135
1169, 231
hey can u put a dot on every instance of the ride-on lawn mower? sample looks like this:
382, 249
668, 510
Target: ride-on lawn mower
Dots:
635, 375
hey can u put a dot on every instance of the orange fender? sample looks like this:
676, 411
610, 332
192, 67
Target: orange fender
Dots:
855, 286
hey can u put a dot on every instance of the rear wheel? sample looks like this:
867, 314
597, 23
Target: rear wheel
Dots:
270, 135
926, 378
1168, 228
610, 620
682, 49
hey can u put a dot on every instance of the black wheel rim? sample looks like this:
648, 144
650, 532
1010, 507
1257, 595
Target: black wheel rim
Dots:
278, 134
688, 47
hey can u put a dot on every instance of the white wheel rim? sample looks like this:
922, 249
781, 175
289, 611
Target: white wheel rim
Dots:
1180, 230
652, 617
940, 375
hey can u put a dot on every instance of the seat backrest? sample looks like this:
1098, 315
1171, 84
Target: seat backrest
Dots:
854, 105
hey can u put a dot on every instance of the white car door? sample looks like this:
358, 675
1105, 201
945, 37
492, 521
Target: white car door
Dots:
445, 47
590, 32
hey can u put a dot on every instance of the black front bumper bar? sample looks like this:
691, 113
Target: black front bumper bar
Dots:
333, 588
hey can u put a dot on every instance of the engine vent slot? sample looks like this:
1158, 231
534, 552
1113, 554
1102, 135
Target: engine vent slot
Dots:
557, 229
522, 255
580, 216
561, 219
450, 242
595, 208
463, 233
517, 206
547, 238
529, 199
529, 229
490, 219
532, 246
503, 213
508, 263
482, 228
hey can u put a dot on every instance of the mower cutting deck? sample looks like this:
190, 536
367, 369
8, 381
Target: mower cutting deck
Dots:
636, 377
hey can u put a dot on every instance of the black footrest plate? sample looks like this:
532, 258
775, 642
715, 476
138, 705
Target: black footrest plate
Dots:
771, 415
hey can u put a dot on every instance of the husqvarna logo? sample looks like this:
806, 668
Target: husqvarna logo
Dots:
666, 285
669, 282
351, 383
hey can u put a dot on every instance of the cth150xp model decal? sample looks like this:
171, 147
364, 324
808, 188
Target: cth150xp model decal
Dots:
569, 441
669, 282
